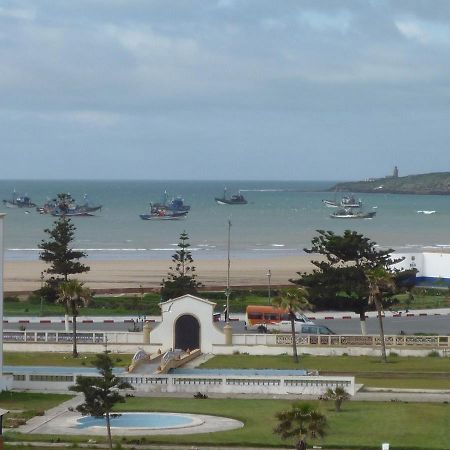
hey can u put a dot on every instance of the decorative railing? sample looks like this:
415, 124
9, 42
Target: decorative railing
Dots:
285, 339
225, 384
52, 337
62, 337
364, 341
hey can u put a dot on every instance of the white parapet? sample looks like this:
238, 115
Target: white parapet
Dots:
210, 384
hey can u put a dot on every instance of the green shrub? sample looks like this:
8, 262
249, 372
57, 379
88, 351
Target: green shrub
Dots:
434, 354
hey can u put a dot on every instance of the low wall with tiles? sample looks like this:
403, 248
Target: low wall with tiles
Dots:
255, 344
209, 384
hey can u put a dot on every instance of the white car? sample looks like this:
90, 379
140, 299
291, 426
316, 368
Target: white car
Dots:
284, 326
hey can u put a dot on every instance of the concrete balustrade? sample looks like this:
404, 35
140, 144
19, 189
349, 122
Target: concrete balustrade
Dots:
210, 384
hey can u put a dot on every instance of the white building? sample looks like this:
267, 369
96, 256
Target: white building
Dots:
187, 323
431, 266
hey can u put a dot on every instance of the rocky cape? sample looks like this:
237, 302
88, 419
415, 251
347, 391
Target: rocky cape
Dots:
427, 184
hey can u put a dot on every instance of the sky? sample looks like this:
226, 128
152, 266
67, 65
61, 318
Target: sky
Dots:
223, 89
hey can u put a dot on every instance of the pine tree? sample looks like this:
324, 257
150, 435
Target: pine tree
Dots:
101, 393
63, 260
339, 279
182, 278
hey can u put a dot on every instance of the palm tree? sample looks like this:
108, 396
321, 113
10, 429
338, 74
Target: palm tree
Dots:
293, 300
301, 422
73, 295
337, 395
379, 280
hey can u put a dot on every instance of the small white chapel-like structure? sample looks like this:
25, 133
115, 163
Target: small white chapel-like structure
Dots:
187, 324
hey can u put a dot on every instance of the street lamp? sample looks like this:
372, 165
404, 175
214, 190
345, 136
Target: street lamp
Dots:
227, 290
269, 275
42, 298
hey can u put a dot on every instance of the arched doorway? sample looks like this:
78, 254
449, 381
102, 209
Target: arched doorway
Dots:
187, 332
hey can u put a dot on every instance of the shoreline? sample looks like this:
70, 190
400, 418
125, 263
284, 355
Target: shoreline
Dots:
114, 275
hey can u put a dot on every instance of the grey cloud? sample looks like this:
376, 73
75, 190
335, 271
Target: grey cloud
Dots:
225, 77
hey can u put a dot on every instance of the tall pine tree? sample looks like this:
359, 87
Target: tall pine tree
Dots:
57, 251
339, 279
182, 278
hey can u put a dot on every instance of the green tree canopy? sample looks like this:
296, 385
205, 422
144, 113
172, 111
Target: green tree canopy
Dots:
293, 300
339, 279
101, 393
57, 251
73, 295
182, 278
301, 422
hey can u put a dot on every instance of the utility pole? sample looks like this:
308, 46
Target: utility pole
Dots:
42, 298
269, 275
227, 328
227, 291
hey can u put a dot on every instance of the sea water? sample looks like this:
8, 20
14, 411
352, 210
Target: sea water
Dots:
280, 219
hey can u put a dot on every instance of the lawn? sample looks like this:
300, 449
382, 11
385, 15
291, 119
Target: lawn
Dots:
398, 372
361, 425
148, 304
24, 405
59, 359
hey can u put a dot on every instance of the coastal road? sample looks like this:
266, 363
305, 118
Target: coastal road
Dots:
392, 325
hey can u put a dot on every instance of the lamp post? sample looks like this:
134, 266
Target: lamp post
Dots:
42, 298
227, 290
269, 275
227, 328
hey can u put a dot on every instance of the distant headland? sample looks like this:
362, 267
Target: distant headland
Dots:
437, 183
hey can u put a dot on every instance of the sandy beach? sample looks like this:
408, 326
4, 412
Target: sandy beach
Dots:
24, 276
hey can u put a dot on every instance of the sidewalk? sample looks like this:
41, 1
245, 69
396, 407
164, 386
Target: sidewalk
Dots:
37, 421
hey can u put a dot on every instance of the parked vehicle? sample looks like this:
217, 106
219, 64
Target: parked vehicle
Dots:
268, 318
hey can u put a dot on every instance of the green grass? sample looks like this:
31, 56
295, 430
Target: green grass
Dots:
24, 405
128, 304
361, 425
59, 359
440, 299
331, 363
398, 372
149, 303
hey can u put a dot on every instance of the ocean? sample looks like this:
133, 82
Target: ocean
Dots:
280, 219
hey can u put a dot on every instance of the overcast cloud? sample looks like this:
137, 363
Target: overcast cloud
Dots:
226, 89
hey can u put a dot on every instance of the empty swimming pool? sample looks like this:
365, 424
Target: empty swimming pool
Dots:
147, 421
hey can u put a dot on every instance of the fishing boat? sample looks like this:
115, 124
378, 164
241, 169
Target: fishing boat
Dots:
71, 212
65, 205
163, 214
88, 206
236, 199
347, 201
330, 203
352, 213
166, 210
19, 201
176, 204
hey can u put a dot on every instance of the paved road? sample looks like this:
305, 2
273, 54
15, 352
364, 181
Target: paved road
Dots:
393, 325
